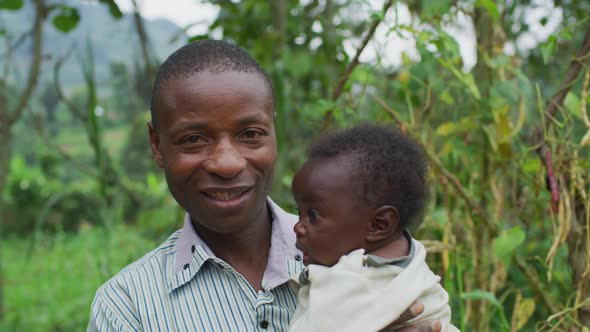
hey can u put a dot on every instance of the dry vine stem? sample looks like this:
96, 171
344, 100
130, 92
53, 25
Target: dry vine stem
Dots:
562, 229
586, 139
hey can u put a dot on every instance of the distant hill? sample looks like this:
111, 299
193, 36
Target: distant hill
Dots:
112, 41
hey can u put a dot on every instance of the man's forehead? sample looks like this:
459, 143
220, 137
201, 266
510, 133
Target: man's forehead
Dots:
220, 80
212, 85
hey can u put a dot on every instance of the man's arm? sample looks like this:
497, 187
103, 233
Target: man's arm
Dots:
103, 318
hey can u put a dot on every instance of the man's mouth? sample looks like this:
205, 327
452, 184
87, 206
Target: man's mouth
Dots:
226, 195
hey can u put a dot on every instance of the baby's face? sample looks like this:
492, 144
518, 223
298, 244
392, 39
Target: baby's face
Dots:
333, 220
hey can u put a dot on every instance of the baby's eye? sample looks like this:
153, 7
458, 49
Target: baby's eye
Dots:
313, 215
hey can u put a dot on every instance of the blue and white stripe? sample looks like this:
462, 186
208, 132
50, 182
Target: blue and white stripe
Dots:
182, 286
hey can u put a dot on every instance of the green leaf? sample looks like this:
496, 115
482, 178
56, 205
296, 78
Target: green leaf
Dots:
506, 243
523, 312
491, 7
11, 4
490, 132
67, 19
465, 78
548, 48
531, 165
446, 97
479, 294
436, 8
113, 8
445, 129
198, 37
377, 16
572, 103
502, 124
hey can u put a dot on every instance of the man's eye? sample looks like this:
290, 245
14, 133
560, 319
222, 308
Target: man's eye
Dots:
251, 134
193, 139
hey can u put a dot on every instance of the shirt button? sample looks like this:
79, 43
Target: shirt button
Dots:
193, 249
264, 324
298, 257
186, 266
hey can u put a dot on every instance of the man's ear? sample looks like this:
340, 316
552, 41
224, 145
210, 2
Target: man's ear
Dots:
384, 222
155, 145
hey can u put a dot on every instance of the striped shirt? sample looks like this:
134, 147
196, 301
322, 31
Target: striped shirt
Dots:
182, 286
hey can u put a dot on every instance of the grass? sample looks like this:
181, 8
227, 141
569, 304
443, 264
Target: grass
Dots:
51, 288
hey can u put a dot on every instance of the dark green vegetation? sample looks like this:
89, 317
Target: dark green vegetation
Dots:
508, 142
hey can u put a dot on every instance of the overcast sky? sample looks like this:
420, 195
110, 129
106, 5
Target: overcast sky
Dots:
201, 14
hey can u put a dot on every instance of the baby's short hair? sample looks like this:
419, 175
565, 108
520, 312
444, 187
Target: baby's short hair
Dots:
389, 167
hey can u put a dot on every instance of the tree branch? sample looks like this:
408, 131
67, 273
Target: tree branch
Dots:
76, 112
352, 65
536, 284
553, 105
10, 47
572, 74
143, 39
474, 208
35, 66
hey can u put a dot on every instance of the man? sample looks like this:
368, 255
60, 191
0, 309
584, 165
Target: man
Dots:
212, 133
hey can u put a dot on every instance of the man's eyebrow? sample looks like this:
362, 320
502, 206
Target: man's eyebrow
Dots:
189, 126
254, 118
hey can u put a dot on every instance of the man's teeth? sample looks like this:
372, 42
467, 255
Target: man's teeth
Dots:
224, 196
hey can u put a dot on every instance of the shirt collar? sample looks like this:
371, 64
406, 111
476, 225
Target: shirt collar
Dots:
402, 261
284, 260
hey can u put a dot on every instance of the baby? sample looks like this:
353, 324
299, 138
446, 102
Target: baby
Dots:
357, 195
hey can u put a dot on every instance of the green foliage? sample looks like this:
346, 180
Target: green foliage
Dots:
113, 8
51, 287
11, 4
478, 294
505, 245
66, 19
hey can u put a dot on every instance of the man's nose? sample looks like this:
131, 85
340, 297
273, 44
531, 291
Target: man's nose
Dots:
225, 160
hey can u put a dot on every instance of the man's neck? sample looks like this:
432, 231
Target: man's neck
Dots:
246, 251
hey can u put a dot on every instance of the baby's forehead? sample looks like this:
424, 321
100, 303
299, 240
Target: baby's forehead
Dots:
326, 172
346, 161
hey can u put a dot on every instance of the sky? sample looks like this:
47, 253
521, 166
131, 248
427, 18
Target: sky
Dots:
200, 14
181, 12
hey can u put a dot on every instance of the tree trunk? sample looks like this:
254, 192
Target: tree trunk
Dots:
8, 117
578, 256
5, 138
490, 42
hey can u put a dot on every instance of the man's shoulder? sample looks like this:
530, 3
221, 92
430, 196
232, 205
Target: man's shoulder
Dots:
154, 266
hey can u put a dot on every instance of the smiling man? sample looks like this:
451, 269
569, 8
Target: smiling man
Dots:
228, 268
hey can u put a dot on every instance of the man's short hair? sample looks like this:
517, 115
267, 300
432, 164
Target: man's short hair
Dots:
215, 56
387, 166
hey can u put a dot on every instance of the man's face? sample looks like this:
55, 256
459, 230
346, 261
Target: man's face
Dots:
333, 220
215, 140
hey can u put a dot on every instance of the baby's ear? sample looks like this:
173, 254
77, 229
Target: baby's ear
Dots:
384, 222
